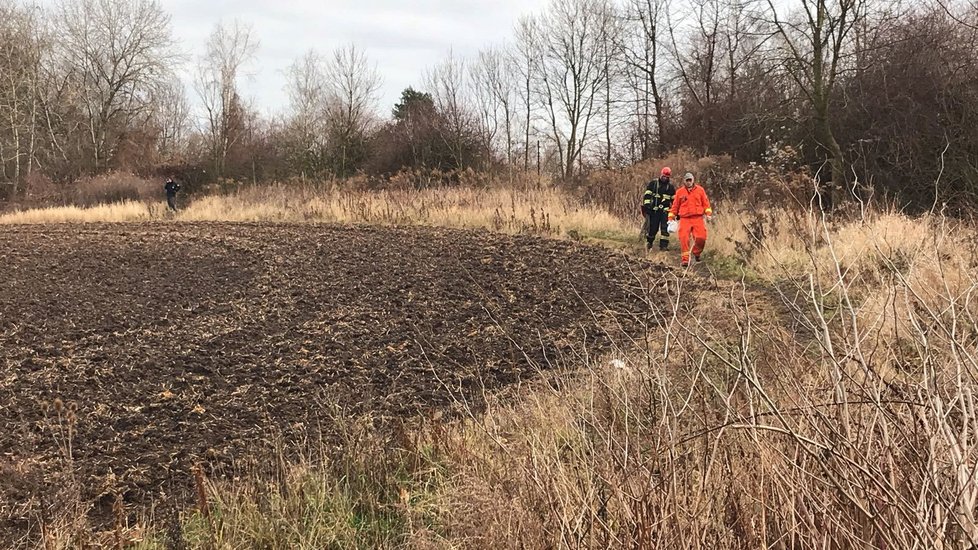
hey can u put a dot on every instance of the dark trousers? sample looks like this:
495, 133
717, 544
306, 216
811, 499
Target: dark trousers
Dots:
658, 222
171, 201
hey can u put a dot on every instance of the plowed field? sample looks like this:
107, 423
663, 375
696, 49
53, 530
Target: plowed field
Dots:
131, 352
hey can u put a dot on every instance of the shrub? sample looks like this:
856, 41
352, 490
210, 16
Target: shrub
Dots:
620, 191
115, 187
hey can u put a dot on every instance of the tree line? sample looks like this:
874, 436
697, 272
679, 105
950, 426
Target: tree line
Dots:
875, 98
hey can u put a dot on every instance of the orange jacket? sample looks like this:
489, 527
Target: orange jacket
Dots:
690, 203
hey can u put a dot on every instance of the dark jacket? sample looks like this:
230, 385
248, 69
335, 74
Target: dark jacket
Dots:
658, 196
171, 187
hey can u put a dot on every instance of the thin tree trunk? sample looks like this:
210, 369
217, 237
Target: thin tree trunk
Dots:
607, 118
828, 143
32, 147
526, 143
657, 101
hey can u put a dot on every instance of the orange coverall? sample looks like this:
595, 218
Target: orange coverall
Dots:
690, 206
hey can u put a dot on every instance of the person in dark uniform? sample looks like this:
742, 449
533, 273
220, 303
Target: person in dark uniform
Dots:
655, 207
171, 188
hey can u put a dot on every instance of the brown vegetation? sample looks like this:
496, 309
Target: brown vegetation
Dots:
529, 208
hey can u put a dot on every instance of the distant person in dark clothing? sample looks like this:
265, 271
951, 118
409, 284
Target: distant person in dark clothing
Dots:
655, 207
171, 193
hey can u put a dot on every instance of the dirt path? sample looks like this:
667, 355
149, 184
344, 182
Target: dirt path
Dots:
131, 352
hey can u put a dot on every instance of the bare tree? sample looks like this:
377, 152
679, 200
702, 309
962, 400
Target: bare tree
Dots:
964, 12
485, 103
525, 57
308, 97
814, 46
744, 35
118, 52
639, 42
712, 44
333, 108
228, 50
697, 62
307, 90
172, 119
613, 65
697, 59
494, 91
572, 73
21, 50
352, 84
448, 85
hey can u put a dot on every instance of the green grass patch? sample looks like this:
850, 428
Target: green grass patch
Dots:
730, 268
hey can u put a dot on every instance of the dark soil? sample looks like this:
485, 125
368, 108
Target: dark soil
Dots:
132, 352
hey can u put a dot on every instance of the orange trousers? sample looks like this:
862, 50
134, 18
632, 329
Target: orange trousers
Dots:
695, 227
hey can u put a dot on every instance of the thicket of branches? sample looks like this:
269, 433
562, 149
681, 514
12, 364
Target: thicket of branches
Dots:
877, 98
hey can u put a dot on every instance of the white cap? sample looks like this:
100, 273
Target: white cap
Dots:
688, 176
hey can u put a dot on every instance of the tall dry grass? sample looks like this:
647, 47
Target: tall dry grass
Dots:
871, 258
545, 210
125, 211
510, 210
603, 206
778, 419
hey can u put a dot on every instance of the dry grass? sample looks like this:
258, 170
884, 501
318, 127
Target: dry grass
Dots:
546, 211
127, 211
871, 261
509, 210
749, 422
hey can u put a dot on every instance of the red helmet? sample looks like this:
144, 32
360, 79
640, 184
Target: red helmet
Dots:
667, 171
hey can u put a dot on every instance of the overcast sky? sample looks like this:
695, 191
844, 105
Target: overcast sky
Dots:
401, 37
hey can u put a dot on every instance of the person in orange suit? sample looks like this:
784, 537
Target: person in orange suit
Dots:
692, 208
